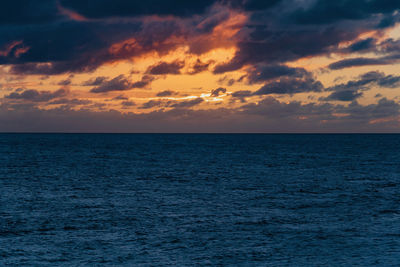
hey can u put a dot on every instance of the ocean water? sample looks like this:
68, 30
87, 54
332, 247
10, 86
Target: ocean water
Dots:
188, 199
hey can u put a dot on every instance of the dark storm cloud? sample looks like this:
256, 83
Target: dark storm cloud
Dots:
163, 68
120, 83
387, 21
300, 29
37, 96
122, 8
61, 43
218, 91
251, 5
28, 12
63, 47
80, 46
181, 8
322, 11
285, 45
49, 41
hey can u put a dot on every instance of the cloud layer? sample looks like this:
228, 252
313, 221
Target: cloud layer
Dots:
217, 65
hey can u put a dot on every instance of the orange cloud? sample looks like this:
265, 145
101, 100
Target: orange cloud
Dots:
15, 48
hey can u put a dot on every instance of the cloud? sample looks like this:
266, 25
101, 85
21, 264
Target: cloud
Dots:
128, 104
60, 47
302, 29
353, 116
121, 97
218, 91
121, 8
352, 89
390, 46
366, 80
52, 41
383, 109
95, 81
264, 72
163, 68
145, 81
389, 81
83, 46
285, 45
167, 93
229, 81
179, 104
252, 5
268, 38
276, 110
268, 115
242, 95
347, 95
363, 45
291, 86
65, 82
200, 66
153, 103
186, 103
70, 102
322, 12
21, 12
37, 96
362, 61
119, 83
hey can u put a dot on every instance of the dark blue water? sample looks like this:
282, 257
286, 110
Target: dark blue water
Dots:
183, 200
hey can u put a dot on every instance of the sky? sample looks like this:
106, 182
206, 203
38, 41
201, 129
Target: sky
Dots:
277, 66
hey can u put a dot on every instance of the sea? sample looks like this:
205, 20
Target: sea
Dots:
199, 200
